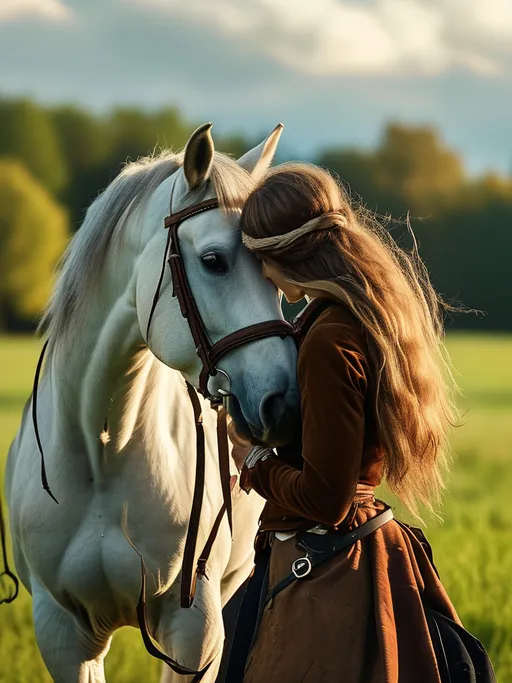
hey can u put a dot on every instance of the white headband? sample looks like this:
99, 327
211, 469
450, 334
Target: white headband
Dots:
279, 241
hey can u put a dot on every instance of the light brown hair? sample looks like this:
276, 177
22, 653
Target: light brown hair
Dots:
351, 257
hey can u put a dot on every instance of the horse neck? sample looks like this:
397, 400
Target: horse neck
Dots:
92, 368
112, 378
100, 374
87, 369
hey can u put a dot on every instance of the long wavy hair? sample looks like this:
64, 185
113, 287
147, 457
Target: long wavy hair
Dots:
351, 257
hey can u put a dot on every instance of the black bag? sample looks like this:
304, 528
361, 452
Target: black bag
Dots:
461, 658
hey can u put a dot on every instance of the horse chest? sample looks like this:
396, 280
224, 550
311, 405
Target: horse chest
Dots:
101, 572
80, 553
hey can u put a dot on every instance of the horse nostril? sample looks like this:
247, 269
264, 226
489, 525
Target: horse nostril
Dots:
272, 409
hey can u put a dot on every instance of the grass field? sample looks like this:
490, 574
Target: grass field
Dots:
473, 547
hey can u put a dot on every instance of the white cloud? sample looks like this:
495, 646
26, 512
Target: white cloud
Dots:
52, 10
222, 64
326, 37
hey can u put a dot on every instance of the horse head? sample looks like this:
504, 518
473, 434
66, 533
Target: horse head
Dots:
226, 283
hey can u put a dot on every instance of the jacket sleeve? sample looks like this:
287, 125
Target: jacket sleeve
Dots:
332, 382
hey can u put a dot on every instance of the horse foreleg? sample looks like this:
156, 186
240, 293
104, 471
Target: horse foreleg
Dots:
193, 640
72, 654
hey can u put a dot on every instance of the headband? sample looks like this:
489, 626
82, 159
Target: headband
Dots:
280, 241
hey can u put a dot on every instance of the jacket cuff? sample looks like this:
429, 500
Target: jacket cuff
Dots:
256, 455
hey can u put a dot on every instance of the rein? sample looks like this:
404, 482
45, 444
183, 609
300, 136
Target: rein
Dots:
7, 571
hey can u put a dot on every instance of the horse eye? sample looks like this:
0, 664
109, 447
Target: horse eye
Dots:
215, 262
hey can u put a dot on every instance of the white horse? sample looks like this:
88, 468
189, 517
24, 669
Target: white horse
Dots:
73, 556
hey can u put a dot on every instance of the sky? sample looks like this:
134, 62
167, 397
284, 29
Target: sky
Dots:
333, 71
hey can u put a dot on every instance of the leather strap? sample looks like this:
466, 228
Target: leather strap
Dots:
208, 353
205, 554
6, 570
224, 469
188, 576
188, 579
269, 328
187, 570
188, 212
189, 310
159, 285
339, 544
35, 388
150, 646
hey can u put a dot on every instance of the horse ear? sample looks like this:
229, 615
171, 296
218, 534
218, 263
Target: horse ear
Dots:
198, 156
258, 159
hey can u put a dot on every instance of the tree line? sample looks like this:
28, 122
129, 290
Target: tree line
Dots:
55, 160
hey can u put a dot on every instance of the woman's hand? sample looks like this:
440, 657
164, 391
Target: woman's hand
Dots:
244, 452
241, 447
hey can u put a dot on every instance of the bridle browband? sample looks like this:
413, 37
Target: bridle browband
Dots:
209, 354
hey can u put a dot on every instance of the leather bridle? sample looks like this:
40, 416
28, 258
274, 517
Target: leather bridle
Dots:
209, 353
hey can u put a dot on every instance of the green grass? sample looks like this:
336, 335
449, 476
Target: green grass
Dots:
20, 661
472, 548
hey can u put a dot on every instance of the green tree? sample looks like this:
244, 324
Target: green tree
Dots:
465, 236
33, 235
415, 167
27, 134
171, 129
410, 171
234, 145
134, 133
84, 142
82, 137
358, 171
467, 249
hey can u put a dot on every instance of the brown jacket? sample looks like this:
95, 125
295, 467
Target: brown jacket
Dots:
358, 617
315, 478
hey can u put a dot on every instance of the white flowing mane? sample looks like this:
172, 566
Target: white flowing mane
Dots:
104, 225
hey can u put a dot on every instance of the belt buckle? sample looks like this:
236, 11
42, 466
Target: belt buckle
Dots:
301, 567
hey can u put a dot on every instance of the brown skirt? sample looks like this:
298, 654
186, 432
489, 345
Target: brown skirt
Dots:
358, 618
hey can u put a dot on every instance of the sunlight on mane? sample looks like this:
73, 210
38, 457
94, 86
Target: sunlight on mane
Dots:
104, 224
146, 408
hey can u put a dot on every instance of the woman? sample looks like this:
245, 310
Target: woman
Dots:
376, 404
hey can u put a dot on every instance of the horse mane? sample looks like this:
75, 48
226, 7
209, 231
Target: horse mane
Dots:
104, 224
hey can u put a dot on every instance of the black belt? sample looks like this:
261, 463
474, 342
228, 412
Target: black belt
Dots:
321, 548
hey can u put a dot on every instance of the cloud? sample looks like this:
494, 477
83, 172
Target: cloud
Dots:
327, 37
50, 10
238, 68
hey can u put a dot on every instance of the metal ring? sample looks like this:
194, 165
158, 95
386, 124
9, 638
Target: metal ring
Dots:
223, 392
301, 567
